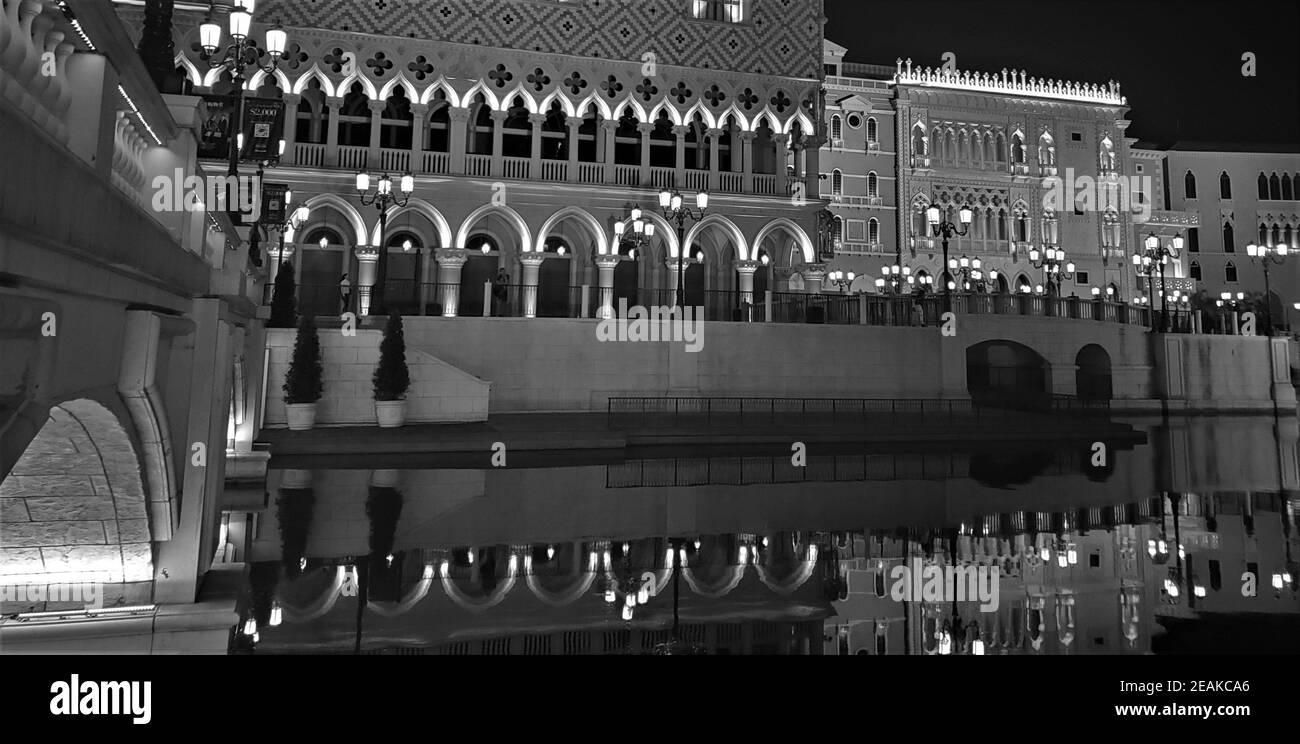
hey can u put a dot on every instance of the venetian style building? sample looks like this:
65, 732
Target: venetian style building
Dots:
989, 140
1237, 196
530, 129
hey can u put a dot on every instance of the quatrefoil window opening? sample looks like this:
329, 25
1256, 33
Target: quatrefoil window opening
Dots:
612, 86
681, 93
500, 76
539, 79
420, 67
335, 59
780, 102
748, 99
647, 89
380, 64
574, 83
715, 96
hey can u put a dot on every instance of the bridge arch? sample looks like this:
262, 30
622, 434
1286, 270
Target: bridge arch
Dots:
1092, 374
75, 508
1004, 372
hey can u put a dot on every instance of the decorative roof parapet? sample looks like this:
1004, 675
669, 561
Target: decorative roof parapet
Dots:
1010, 81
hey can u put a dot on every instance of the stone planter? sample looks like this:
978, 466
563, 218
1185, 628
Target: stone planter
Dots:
390, 413
301, 416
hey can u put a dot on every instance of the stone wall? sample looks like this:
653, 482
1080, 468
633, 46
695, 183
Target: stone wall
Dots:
439, 392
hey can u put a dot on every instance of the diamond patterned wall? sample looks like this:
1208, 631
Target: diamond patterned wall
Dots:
779, 37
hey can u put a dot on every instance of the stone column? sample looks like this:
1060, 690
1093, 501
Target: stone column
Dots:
498, 124
714, 181
450, 262
813, 276
679, 131
645, 128
373, 161
782, 142
291, 101
332, 133
573, 123
605, 265
458, 124
363, 285
747, 155
812, 168
531, 262
671, 263
535, 167
745, 271
419, 127
610, 126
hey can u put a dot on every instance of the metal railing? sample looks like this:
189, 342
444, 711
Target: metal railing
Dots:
671, 411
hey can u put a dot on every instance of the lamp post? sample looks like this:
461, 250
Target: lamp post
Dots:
638, 236
675, 209
382, 198
1267, 255
240, 54
294, 221
842, 280
944, 229
894, 278
971, 271
1055, 268
1151, 259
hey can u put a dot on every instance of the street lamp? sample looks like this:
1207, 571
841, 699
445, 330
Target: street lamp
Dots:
293, 221
642, 231
1268, 254
944, 229
240, 54
842, 280
382, 198
1152, 259
1055, 268
894, 276
676, 210
971, 272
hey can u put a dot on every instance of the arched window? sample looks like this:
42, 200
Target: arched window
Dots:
1263, 234
328, 234
1263, 187
1196, 270
1274, 187
837, 182
837, 127
918, 142
1017, 149
1230, 272
1286, 187
873, 231
1229, 242
839, 230
1189, 186
873, 184
1276, 235
873, 130
1225, 186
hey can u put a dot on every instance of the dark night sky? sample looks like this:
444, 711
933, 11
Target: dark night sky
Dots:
1179, 62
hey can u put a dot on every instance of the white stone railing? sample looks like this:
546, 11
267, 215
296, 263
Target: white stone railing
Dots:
128, 150
33, 58
1010, 81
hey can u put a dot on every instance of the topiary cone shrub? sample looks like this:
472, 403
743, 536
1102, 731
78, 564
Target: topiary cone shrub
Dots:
302, 383
284, 302
392, 378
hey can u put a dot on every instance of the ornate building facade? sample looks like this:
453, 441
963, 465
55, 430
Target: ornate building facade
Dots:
531, 128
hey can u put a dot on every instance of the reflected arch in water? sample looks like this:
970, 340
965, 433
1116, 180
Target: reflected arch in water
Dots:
1012, 466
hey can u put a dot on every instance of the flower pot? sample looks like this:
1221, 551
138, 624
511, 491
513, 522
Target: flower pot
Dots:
301, 416
390, 413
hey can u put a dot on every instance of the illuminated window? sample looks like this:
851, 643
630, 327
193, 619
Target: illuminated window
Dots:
837, 182
873, 131
731, 11
837, 127
873, 184
1230, 272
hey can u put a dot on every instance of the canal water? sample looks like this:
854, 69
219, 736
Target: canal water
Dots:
1177, 538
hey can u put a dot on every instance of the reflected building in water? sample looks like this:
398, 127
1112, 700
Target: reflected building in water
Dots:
748, 554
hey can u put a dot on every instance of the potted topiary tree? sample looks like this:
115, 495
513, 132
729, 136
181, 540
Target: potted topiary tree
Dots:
283, 303
392, 378
302, 383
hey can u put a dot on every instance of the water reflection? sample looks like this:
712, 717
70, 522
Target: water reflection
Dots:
1136, 546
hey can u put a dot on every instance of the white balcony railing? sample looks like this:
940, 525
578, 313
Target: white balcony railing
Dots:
308, 154
395, 161
663, 178
627, 175
437, 162
697, 180
764, 184
730, 182
555, 170
353, 157
591, 172
516, 168
478, 165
